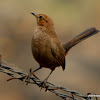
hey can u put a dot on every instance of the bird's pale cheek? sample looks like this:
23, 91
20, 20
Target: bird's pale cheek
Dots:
41, 23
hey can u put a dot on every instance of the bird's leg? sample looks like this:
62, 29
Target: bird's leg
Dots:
48, 76
32, 72
45, 80
37, 69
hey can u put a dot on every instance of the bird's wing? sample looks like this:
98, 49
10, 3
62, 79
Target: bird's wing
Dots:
59, 54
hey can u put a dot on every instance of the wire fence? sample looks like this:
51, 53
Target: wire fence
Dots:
60, 91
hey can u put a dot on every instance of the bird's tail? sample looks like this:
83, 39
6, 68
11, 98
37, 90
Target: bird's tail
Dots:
84, 35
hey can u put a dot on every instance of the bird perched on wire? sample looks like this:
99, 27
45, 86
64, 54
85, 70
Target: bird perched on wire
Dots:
47, 49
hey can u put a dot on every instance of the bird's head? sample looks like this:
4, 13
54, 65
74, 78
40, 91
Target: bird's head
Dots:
43, 20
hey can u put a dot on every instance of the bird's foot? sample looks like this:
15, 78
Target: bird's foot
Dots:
43, 85
27, 79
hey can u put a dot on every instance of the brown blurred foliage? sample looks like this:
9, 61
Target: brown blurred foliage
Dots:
70, 17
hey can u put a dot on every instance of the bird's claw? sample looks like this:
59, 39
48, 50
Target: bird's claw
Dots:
43, 85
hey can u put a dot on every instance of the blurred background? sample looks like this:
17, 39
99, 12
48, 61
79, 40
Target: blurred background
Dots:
71, 17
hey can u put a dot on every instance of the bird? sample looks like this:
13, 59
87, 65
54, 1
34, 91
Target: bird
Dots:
47, 49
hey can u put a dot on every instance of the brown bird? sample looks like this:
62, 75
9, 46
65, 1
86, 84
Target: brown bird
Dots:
47, 49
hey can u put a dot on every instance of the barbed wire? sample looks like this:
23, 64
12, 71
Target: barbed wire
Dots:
66, 93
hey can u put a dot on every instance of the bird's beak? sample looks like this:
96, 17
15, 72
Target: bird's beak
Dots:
35, 15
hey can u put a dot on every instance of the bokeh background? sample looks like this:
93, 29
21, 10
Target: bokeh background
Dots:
71, 17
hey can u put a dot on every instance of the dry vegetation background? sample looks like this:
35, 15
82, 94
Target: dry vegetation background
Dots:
71, 17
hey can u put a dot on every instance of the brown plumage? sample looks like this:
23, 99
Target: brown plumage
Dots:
47, 49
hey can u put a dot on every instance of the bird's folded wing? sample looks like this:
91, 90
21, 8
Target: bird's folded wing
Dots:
59, 55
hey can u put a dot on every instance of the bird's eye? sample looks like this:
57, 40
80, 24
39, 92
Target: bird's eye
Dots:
40, 17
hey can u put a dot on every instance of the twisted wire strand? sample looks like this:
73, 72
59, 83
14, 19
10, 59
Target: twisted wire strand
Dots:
17, 74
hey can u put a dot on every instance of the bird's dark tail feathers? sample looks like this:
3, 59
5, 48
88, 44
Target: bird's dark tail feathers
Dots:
84, 35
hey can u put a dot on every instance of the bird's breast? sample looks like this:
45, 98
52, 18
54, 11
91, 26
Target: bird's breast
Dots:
41, 49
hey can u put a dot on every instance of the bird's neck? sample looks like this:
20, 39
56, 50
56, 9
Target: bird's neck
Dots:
49, 30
